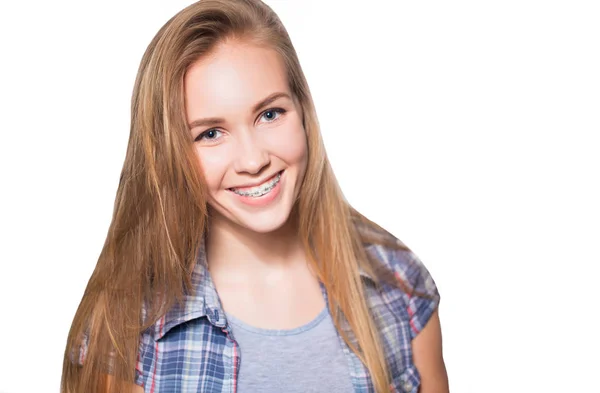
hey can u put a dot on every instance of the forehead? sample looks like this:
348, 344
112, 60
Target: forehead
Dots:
233, 78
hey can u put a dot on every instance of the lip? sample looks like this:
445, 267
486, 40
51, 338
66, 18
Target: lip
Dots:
264, 201
258, 183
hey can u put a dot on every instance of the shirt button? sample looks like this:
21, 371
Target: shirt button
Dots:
408, 386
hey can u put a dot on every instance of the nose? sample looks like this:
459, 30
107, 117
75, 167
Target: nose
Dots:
252, 157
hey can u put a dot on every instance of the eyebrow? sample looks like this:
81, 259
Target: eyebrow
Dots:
212, 121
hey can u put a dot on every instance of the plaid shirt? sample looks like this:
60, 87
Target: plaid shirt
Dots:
192, 349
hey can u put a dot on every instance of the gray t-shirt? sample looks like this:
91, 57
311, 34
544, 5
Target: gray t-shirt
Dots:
303, 360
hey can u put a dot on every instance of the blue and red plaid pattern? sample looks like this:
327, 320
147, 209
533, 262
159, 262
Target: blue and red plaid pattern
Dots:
191, 348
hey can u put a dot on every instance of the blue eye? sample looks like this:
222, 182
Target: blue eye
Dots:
210, 135
272, 114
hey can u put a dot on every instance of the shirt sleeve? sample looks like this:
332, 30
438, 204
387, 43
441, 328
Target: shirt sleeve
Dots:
422, 294
78, 355
143, 359
79, 352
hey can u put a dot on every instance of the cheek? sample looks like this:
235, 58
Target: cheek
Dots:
291, 146
214, 166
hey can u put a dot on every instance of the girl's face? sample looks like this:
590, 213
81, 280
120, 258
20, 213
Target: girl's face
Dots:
248, 134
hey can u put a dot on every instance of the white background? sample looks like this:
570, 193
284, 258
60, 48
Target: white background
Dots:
469, 129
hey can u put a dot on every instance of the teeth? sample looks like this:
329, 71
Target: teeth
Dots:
259, 190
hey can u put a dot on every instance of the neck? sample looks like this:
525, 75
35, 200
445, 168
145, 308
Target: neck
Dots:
241, 254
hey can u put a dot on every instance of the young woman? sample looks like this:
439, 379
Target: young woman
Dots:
233, 263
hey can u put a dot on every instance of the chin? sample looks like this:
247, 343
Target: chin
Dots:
264, 223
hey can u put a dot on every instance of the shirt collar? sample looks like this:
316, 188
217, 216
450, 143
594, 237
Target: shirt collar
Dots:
203, 302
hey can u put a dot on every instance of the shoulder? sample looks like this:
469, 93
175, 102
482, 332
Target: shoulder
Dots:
410, 290
403, 298
412, 274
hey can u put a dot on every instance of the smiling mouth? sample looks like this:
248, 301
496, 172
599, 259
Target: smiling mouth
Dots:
259, 190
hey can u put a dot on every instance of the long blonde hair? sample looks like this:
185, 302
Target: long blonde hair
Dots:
160, 212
